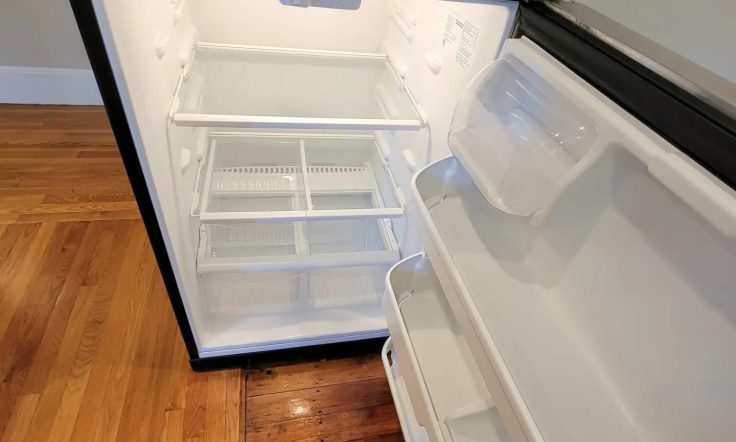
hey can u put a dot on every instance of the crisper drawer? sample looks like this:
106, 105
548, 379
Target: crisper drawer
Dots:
264, 293
268, 176
446, 389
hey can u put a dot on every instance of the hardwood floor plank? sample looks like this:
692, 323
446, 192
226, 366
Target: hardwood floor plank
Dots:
60, 318
65, 190
66, 198
20, 422
145, 379
214, 425
173, 430
131, 214
58, 139
310, 402
71, 402
343, 426
21, 250
235, 406
269, 380
392, 437
99, 154
99, 415
26, 327
194, 413
51, 397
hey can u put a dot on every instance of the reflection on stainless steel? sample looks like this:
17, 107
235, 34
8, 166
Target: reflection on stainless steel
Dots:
693, 78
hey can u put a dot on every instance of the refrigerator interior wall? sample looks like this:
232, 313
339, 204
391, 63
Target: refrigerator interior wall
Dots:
269, 23
460, 38
149, 41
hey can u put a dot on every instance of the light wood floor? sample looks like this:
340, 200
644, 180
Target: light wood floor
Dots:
90, 348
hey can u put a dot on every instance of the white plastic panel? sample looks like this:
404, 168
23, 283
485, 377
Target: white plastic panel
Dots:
584, 314
410, 428
263, 87
578, 311
242, 333
268, 177
270, 23
441, 377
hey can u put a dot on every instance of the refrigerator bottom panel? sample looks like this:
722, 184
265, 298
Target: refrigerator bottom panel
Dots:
237, 334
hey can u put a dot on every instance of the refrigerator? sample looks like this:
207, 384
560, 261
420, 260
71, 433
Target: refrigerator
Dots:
535, 222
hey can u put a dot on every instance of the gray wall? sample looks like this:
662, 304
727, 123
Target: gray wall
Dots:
40, 33
703, 31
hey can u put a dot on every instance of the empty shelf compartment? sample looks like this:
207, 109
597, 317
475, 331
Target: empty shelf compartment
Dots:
449, 396
262, 87
330, 288
253, 293
278, 292
257, 246
272, 176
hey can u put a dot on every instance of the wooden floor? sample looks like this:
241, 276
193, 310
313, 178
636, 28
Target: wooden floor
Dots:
90, 348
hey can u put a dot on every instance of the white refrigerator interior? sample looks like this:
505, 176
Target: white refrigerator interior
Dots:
570, 274
279, 143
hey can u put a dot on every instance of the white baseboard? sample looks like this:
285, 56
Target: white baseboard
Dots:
30, 85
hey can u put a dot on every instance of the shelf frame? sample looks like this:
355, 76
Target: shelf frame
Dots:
184, 119
309, 213
302, 260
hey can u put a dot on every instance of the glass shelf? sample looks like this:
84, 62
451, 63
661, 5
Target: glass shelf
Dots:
261, 87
